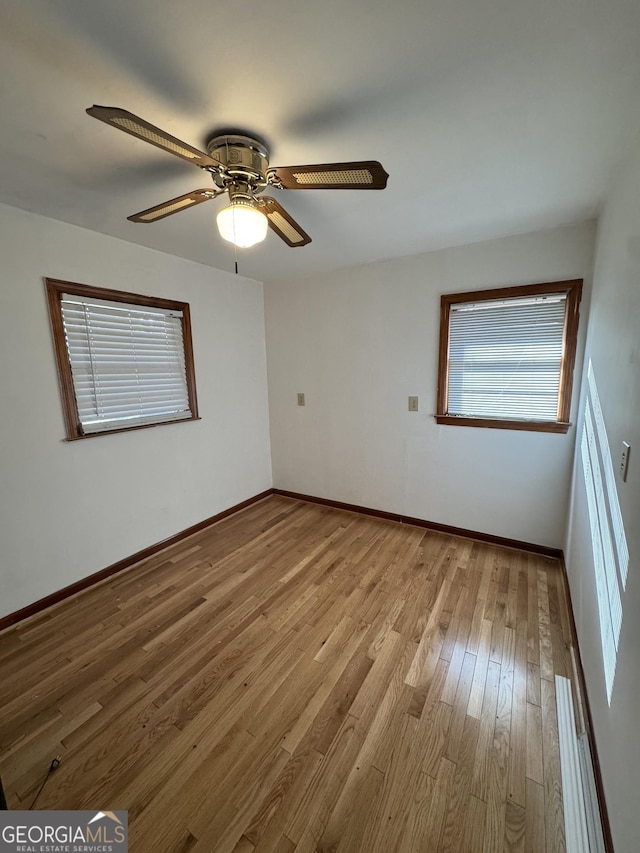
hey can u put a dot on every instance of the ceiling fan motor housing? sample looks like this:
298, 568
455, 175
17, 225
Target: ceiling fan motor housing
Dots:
245, 159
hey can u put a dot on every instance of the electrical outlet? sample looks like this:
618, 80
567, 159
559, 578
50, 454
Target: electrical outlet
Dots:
624, 461
301, 400
413, 404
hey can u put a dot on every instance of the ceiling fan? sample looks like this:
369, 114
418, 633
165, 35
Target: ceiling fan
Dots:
239, 166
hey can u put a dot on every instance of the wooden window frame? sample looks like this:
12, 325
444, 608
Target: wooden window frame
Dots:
55, 288
573, 290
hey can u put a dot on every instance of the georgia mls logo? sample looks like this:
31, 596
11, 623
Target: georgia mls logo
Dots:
111, 815
64, 832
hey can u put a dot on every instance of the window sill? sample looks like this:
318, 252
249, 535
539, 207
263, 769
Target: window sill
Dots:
497, 423
79, 436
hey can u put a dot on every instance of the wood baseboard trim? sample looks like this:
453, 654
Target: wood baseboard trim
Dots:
429, 525
127, 562
586, 708
121, 565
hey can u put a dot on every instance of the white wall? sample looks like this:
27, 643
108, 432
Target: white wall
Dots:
613, 345
68, 509
358, 342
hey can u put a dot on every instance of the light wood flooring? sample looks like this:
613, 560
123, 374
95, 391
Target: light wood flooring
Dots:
299, 678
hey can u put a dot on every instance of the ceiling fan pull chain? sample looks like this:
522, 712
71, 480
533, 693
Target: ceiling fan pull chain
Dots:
235, 245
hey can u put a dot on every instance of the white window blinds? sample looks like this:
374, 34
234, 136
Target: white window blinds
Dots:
127, 363
505, 358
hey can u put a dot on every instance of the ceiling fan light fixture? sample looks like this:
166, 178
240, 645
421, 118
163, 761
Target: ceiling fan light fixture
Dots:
242, 224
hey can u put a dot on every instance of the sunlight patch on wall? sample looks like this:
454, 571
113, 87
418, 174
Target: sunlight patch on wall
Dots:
605, 519
612, 493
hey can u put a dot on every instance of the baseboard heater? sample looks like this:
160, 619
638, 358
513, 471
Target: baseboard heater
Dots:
582, 824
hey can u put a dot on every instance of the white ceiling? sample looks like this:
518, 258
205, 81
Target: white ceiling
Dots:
492, 117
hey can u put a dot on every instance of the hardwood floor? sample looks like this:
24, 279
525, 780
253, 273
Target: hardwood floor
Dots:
299, 678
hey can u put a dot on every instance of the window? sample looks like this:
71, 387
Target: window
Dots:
507, 356
125, 361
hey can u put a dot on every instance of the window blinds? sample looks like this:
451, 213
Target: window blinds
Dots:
505, 358
127, 363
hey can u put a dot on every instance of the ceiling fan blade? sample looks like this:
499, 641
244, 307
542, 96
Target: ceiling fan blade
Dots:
282, 223
174, 205
363, 175
123, 120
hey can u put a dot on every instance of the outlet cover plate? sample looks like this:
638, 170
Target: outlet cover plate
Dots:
624, 460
